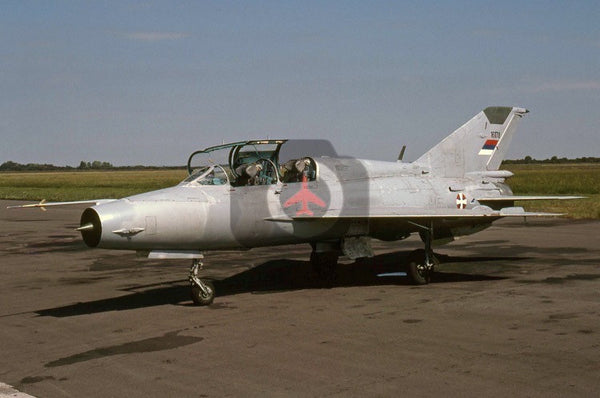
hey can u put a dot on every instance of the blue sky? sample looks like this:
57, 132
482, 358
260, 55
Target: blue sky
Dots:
148, 82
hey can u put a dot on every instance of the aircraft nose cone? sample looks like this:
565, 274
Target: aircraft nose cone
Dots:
90, 227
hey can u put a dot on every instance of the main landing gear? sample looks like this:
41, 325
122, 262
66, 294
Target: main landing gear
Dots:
422, 262
203, 292
421, 265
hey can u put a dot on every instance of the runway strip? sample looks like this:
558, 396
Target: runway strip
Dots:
512, 311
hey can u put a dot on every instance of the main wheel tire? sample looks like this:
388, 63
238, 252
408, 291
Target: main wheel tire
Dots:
201, 298
418, 272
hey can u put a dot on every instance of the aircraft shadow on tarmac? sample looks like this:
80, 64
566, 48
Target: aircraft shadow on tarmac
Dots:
68, 244
276, 276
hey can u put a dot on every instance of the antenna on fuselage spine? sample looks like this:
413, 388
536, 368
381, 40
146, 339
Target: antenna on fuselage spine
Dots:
401, 155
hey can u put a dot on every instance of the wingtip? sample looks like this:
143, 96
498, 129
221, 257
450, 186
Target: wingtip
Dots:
40, 205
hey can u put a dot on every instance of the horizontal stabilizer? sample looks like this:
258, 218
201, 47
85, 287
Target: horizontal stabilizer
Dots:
517, 197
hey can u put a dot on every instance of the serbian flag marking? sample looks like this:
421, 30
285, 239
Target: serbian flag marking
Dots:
488, 147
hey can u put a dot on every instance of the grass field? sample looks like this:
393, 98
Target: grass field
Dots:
559, 179
549, 179
83, 185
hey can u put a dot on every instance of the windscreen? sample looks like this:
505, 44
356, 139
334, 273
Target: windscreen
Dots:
202, 160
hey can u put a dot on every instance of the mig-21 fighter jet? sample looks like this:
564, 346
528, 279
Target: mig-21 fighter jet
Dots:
276, 192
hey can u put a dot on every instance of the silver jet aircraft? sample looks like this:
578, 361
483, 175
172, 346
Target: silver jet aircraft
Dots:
277, 192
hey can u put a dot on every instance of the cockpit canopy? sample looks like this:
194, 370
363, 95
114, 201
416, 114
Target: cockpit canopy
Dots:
257, 162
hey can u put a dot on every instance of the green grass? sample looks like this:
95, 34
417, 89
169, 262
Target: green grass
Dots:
555, 179
559, 179
536, 179
83, 185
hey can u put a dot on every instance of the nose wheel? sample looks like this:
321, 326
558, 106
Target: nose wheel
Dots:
203, 292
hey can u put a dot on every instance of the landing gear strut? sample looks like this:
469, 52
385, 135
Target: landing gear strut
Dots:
422, 262
203, 292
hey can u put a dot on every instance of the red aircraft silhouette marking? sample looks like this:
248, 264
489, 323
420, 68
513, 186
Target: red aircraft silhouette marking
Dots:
305, 196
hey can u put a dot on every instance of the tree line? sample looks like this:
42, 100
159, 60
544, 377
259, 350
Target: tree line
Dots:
552, 160
83, 165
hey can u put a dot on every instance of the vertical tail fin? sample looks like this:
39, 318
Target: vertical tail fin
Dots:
478, 145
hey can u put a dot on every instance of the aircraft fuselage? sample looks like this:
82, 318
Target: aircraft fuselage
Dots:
212, 217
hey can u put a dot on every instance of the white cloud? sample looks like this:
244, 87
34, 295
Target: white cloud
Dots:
156, 36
